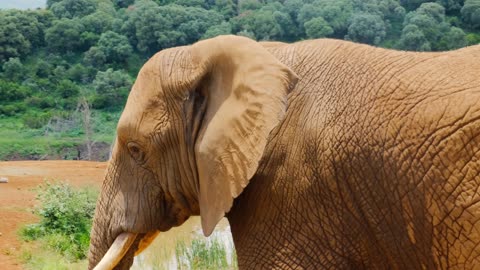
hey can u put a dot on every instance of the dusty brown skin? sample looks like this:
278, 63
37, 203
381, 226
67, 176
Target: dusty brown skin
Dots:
323, 154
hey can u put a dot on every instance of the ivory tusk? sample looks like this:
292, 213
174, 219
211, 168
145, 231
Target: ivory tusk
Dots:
146, 241
116, 251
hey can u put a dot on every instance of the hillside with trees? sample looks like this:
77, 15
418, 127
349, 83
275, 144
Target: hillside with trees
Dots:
65, 71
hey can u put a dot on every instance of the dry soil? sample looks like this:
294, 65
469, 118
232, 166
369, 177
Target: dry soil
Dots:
17, 197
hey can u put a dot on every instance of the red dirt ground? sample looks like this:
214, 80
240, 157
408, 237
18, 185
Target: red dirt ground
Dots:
17, 197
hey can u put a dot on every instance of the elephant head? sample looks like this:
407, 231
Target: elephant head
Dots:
190, 138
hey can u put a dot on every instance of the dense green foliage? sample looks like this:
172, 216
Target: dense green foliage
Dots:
65, 219
92, 49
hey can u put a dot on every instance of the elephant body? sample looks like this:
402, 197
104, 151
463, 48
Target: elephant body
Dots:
374, 165
379, 152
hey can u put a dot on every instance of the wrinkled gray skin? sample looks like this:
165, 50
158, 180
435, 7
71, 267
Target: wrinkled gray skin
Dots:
374, 166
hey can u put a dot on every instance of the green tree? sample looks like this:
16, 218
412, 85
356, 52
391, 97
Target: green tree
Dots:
289, 30
151, 27
454, 39
336, 12
123, 3
473, 39
227, 8
451, 5
12, 42
413, 4
432, 10
291, 7
64, 35
115, 47
59, 73
51, 2
222, 29
246, 33
11, 91
429, 19
386, 9
265, 26
97, 22
28, 25
249, 5
13, 69
190, 3
413, 39
78, 73
112, 88
73, 8
193, 22
317, 28
143, 26
43, 68
471, 13
67, 89
95, 57
20, 31
367, 28
271, 22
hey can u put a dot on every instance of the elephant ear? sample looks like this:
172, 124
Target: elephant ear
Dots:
246, 94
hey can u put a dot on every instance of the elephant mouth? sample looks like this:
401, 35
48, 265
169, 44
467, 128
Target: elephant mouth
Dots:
120, 247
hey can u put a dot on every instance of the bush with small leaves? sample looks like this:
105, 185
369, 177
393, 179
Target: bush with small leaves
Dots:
65, 219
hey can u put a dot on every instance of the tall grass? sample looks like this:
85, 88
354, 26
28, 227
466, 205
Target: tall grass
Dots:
205, 254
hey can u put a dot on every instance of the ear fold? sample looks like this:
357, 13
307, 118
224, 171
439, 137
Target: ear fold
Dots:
246, 93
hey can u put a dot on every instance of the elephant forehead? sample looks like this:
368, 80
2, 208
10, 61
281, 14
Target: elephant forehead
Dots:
142, 124
142, 117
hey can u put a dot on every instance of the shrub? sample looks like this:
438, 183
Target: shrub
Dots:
65, 219
41, 102
67, 88
12, 109
10, 91
473, 39
36, 120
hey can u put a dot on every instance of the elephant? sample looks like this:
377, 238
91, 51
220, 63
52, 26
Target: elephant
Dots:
322, 154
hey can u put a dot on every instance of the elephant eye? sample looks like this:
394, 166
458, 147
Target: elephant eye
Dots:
136, 152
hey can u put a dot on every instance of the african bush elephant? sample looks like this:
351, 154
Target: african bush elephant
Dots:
323, 154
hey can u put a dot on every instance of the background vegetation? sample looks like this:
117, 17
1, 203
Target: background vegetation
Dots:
65, 71
62, 235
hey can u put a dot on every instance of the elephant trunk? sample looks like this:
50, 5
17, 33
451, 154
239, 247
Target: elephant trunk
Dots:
113, 241
99, 236
110, 248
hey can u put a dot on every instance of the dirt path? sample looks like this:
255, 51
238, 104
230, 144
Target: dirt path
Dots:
17, 197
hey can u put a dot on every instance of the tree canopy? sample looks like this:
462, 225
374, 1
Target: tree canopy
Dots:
72, 49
